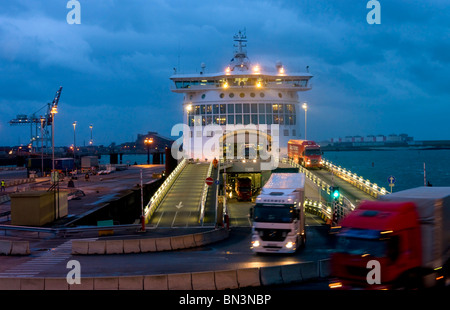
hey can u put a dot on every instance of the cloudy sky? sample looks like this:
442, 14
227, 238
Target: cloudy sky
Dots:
115, 66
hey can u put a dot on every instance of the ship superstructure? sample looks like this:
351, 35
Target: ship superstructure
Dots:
241, 101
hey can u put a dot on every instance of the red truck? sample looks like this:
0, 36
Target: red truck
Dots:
400, 241
243, 189
306, 153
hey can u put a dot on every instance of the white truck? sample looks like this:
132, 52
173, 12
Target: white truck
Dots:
278, 215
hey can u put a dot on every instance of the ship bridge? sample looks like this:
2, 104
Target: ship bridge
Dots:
242, 95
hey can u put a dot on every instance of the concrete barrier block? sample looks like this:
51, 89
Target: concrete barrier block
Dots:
324, 268
5, 247
291, 273
177, 242
163, 244
189, 241
271, 275
131, 246
86, 284
96, 247
211, 236
147, 245
179, 281
106, 283
203, 280
20, 248
32, 284
131, 283
54, 284
226, 279
114, 246
248, 277
309, 270
199, 239
80, 247
156, 282
9, 284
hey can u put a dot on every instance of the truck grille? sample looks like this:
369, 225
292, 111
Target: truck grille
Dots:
356, 271
272, 234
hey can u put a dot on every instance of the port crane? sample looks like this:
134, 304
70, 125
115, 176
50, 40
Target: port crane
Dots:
43, 122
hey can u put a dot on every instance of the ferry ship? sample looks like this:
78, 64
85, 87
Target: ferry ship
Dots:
242, 112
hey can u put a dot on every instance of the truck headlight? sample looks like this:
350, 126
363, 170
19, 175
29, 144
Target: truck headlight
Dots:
255, 243
289, 245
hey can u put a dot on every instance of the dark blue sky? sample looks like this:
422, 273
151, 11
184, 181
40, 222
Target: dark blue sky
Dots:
115, 66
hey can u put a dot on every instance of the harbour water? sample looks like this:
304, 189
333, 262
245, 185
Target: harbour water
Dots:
405, 165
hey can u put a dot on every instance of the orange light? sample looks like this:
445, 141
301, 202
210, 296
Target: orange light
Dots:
335, 285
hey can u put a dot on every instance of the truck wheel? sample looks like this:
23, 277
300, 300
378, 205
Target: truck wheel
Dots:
303, 239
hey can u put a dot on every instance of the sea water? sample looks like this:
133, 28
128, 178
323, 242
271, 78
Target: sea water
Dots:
405, 165
410, 167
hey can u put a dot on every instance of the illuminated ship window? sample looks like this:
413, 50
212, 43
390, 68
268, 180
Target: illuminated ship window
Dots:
242, 95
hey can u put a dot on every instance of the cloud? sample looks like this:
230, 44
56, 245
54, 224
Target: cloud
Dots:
115, 66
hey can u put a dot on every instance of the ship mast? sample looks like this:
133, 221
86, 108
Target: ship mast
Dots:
240, 60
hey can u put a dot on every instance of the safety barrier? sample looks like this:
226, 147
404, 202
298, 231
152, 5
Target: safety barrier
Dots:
204, 193
207, 280
127, 246
344, 205
162, 190
358, 181
8, 247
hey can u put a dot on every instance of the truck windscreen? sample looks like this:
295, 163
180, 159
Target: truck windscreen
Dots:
313, 152
274, 213
366, 241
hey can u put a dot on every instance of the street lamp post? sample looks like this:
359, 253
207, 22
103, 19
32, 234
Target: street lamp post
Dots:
42, 146
147, 142
53, 112
305, 107
74, 143
91, 142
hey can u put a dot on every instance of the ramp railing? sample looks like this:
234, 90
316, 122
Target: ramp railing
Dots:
156, 199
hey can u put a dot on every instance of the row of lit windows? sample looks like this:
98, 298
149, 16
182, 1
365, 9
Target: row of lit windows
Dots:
244, 119
231, 108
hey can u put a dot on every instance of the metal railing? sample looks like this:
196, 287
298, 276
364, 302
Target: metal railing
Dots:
204, 194
358, 181
68, 230
344, 205
162, 190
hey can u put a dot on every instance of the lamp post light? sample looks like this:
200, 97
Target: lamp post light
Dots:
91, 142
305, 107
74, 142
188, 110
148, 142
42, 145
53, 112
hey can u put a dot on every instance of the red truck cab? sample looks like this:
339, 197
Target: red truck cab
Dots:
243, 189
388, 232
306, 153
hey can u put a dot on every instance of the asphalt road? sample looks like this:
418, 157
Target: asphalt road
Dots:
232, 253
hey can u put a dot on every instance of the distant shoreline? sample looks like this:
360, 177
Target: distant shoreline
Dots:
386, 146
